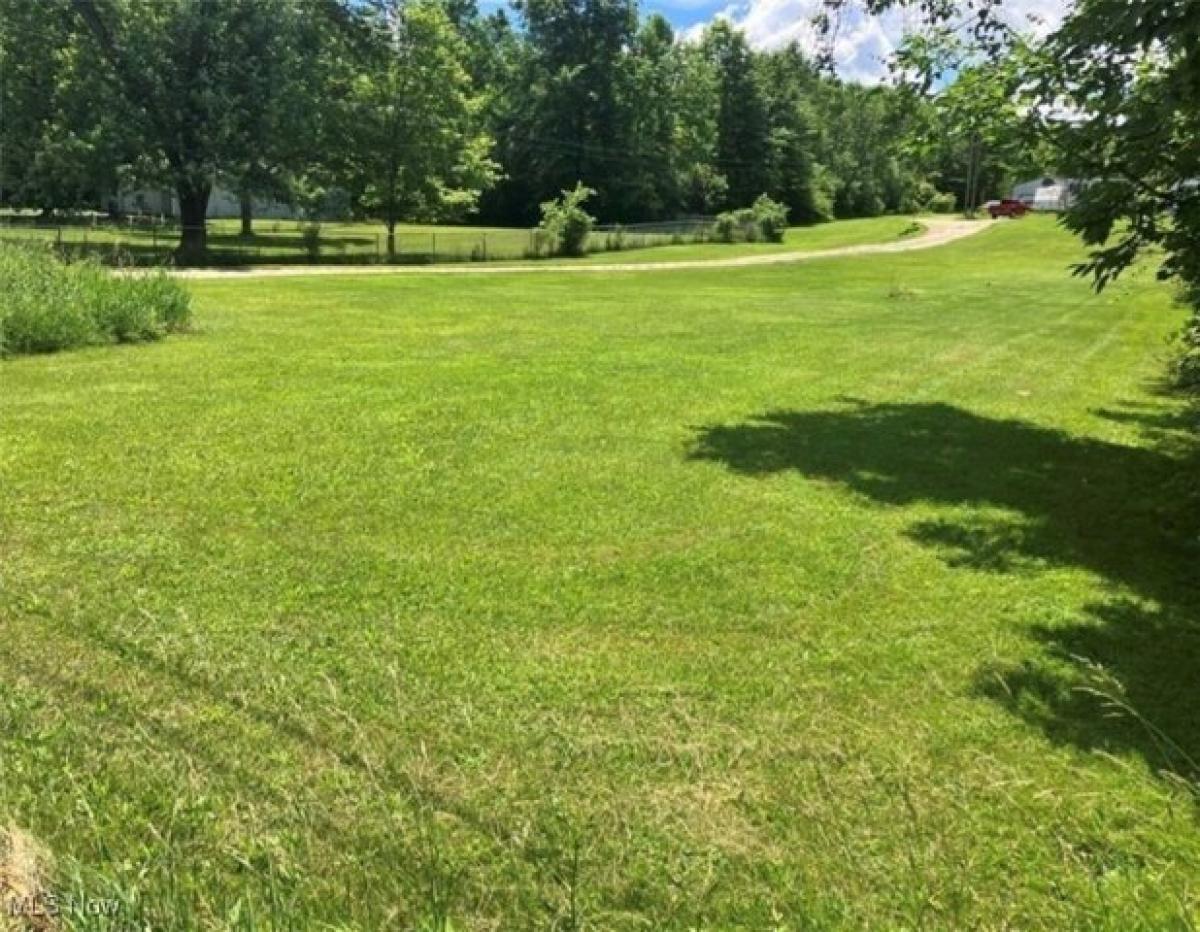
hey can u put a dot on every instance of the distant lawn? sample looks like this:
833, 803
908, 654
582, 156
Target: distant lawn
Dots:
699, 600
831, 235
281, 241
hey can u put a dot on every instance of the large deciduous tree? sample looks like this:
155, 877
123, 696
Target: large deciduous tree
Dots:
58, 141
573, 122
410, 145
1121, 90
197, 77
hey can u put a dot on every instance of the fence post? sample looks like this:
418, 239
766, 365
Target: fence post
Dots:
433, 239
485, 247
377, 257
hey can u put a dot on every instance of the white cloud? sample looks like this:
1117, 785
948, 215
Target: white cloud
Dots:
863, 43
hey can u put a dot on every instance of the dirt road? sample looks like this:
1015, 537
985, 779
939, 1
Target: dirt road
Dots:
937, 233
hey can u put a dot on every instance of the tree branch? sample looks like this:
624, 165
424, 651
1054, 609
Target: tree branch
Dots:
138, 91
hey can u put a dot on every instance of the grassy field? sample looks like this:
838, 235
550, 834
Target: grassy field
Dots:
734, 599
282, 242
797, 239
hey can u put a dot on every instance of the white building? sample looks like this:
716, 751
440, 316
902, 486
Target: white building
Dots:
1048, 193
221, 203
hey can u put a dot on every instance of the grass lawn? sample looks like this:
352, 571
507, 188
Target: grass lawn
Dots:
797, 239
733, 599
277, 241
282, 241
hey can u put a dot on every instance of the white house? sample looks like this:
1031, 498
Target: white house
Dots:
1048, 193
221, 203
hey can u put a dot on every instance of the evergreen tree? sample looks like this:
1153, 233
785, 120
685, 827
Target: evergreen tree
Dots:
743, 128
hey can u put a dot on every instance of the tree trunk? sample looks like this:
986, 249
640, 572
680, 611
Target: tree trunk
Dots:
973, 167
391, 239
247, 205
972, 193
966, 204
193, 209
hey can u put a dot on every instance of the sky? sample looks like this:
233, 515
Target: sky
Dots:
864, 43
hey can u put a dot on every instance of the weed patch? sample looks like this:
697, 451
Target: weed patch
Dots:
47, 304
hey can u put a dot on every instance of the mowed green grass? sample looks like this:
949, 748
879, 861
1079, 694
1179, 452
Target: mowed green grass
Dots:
836, 234
282, 240
276, 241
735, 599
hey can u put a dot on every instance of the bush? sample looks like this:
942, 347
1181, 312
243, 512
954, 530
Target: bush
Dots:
1185, 368
171, 302
47, 304
771, 218
41, 309
121, 309
766, 221
567, 223
923, 196
747, 223
942, 203
725, 228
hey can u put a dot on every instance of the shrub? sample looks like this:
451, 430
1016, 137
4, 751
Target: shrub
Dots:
1185, 368
747, 223
121, 309
567, 223
915, 196
47, 304
923, 196
615, 240
766, 221
171, 302
771, 218
942, 203
40, 307
724, 228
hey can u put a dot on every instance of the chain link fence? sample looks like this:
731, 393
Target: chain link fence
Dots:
154, 241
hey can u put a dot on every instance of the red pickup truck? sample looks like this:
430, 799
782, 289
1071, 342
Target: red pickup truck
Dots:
1006, 208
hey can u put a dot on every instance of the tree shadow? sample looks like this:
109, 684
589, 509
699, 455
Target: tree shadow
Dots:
1022, 498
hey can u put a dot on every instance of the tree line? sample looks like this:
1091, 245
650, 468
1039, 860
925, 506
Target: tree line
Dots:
431, 110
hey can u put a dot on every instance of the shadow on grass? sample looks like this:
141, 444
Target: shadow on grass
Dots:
234, 251
1026, 498
223, 251
294, 241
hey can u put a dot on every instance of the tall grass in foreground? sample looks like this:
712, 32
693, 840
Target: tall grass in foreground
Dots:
47, 304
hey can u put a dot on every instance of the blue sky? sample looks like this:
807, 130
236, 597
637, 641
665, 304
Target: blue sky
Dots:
864, 43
